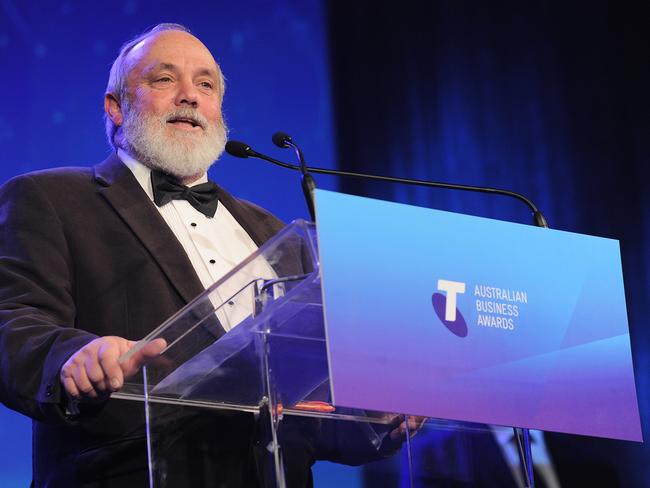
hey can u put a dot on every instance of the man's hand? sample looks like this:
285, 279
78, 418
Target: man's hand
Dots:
94, 370
414, 424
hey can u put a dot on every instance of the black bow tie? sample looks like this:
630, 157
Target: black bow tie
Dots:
203, 197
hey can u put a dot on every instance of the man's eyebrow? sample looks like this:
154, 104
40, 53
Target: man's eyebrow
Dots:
160, 66
172, 67
208, 72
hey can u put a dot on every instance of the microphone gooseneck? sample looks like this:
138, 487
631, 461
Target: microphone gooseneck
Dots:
243, 150
284, 141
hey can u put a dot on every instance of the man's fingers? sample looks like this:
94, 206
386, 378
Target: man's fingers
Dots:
95, 370
84, 385
150, 350
70, 387
154, 348
412, 425
95, 373
416, 423
108, 355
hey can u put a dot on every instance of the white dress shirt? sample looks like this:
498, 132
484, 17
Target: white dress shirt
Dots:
214, 246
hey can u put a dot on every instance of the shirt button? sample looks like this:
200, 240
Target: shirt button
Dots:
231, 303
193, 224
212, 261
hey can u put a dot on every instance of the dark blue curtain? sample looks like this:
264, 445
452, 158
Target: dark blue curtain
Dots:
546, 98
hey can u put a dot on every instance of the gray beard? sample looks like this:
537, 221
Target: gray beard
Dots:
183, 155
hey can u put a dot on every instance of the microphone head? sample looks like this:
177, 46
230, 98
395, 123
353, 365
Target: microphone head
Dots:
238, 149
282, 140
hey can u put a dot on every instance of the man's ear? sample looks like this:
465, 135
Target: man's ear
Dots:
113, 109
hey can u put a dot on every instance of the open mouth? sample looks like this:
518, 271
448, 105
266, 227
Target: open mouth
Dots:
185, 123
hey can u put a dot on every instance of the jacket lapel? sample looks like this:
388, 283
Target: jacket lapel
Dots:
122, 191
260, 226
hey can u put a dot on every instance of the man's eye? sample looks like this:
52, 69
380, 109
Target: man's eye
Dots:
163, 79
206, 84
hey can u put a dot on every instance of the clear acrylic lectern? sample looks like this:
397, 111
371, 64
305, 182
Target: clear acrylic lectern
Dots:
244, 379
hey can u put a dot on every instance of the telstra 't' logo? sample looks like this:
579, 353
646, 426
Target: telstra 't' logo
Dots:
445, 306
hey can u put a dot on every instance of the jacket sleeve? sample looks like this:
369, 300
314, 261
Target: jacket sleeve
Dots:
37, 310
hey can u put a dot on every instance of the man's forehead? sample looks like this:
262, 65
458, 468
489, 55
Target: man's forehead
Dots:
164, 47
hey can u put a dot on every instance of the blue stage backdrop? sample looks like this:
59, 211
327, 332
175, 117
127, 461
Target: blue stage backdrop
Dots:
54, 60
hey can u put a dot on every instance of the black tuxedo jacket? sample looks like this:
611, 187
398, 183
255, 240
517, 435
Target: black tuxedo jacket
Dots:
84, 253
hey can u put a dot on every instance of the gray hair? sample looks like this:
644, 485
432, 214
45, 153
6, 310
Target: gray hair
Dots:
120, 70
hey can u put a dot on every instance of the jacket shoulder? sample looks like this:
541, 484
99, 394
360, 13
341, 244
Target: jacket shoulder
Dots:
62, 174
57, 182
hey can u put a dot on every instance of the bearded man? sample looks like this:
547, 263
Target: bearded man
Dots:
93, 259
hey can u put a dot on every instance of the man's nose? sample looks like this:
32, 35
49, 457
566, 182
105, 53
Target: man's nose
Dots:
187, 94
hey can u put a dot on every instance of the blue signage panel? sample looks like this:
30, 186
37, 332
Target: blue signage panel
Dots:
453, 316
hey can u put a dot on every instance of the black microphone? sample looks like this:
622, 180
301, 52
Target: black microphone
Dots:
239, 149
281, 139
243, 150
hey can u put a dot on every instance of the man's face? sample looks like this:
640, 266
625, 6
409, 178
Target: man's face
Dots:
171, 114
